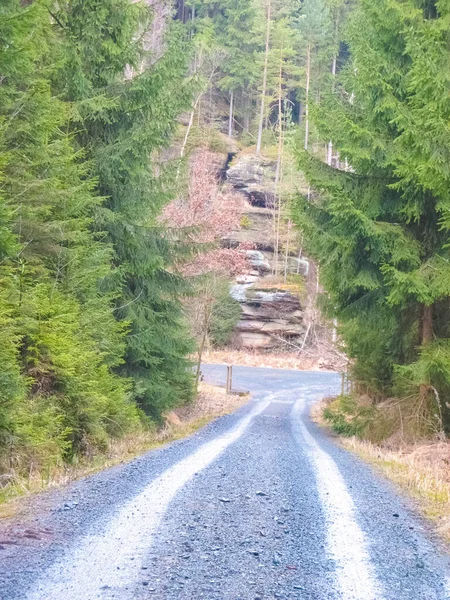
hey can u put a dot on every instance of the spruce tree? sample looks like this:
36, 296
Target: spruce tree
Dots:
127, 114
60, 340
380, 229
235, 31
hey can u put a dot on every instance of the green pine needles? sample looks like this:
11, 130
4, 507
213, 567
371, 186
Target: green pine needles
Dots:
124, 122
91, 325
380, 228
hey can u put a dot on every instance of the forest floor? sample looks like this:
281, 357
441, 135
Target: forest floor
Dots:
421, 469
212, 402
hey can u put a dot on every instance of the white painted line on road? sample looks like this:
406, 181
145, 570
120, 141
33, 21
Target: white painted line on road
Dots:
346, 542
108, 565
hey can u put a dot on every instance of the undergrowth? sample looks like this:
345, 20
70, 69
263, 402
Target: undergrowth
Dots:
404, 439
212, 402
421, 469
394, 421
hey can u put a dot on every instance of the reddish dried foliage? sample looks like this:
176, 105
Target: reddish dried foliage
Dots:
212, 212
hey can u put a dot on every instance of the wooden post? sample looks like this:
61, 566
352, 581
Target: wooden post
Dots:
229, 378
342, 383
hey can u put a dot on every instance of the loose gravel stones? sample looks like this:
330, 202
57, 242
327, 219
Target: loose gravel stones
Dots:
249, 526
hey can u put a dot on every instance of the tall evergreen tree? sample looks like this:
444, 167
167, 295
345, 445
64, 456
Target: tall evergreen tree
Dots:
124, 121
380, 229
236, 33
60, 337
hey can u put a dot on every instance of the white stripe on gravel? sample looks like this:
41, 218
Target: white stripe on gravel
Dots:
108, 565
346, 542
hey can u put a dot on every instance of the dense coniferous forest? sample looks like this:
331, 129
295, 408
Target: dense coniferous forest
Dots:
379, 224
95, 341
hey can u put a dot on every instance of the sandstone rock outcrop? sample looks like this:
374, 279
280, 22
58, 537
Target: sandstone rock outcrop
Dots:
254, 177
271, 315
268, 316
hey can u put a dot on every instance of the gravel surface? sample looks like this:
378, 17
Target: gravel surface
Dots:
260, 504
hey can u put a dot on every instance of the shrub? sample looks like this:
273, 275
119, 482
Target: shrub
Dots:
225, 316
245, 222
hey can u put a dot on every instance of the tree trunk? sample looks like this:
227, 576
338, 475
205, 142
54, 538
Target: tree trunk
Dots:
247, 111
201, 348
181, 11
197, 65
286, 254
230, 120
211, 107
308, 79
427, 325
330, 153
334, 332
264, 88
199, 360
330, 143
279, 163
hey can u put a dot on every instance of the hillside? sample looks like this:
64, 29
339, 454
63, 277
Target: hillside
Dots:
278, 292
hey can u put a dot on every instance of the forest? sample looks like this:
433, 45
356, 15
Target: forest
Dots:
111, 267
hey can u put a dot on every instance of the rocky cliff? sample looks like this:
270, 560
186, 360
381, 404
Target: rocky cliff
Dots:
274, 307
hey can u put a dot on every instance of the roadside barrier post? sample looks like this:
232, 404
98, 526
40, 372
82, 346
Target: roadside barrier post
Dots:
229, 378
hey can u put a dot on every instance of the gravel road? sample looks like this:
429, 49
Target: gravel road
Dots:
260, 504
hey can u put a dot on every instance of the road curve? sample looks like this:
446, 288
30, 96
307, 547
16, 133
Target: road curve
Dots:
260, 504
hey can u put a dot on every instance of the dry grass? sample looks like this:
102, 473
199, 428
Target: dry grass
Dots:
421, 469
316, 412
273, 359
212, 402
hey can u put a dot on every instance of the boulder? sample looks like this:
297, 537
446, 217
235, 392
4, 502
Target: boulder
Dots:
298, 265
239, 291
267, 316
279, 300
250, 278
258, 231
256, 340
269, 313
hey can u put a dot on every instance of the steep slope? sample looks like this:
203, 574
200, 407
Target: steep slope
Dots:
278, 295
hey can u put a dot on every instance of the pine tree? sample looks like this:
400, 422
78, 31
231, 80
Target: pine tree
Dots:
314, 43
124, 123
228, 28
380, 230
236, 33
60, 337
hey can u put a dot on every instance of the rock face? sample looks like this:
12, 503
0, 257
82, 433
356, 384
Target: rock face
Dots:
271, 315
298, 265
258, 261
253, 176
268, 316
